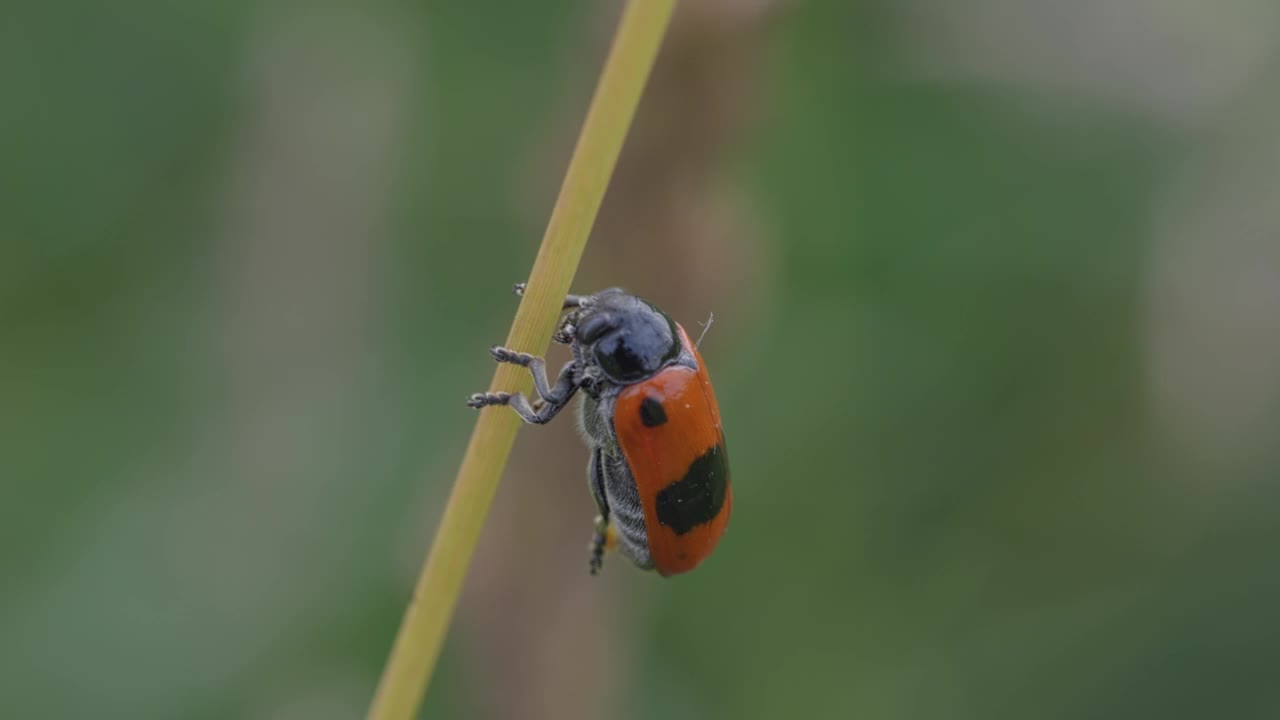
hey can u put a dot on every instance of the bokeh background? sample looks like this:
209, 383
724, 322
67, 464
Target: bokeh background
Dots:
997, 343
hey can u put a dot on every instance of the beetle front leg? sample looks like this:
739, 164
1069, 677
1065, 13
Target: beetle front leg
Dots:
570, 301
568, 328
565, 386
518, 402
564, 333
550, 399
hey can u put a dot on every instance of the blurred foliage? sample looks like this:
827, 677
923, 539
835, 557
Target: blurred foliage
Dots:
953, 499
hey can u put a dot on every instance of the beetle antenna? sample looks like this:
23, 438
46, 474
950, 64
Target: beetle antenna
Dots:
705, 327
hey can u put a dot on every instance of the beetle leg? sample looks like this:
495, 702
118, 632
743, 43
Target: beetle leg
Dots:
508, 355
570, 301
600, 537
519, 403
564, 334
569, 327
595, 473
603, 538
550, 399
565, 384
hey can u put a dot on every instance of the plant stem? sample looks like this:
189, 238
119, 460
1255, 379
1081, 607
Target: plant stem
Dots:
426, 620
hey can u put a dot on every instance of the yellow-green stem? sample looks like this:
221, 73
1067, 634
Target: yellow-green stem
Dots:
426, 620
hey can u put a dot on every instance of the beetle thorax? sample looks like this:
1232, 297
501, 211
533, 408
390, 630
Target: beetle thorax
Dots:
621, 339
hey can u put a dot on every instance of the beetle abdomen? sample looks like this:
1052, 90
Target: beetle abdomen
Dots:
625, 511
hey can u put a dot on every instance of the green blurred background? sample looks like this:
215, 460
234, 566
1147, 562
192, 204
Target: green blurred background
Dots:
997, 344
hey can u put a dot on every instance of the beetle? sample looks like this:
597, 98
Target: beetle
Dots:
658, 467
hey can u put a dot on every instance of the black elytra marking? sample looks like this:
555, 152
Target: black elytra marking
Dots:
651, 412
698, 497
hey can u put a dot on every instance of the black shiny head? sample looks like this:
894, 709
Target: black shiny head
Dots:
625, 336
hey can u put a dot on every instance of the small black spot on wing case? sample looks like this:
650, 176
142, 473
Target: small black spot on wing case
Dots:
651, 413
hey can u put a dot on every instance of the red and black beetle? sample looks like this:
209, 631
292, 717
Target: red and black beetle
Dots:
658, 468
